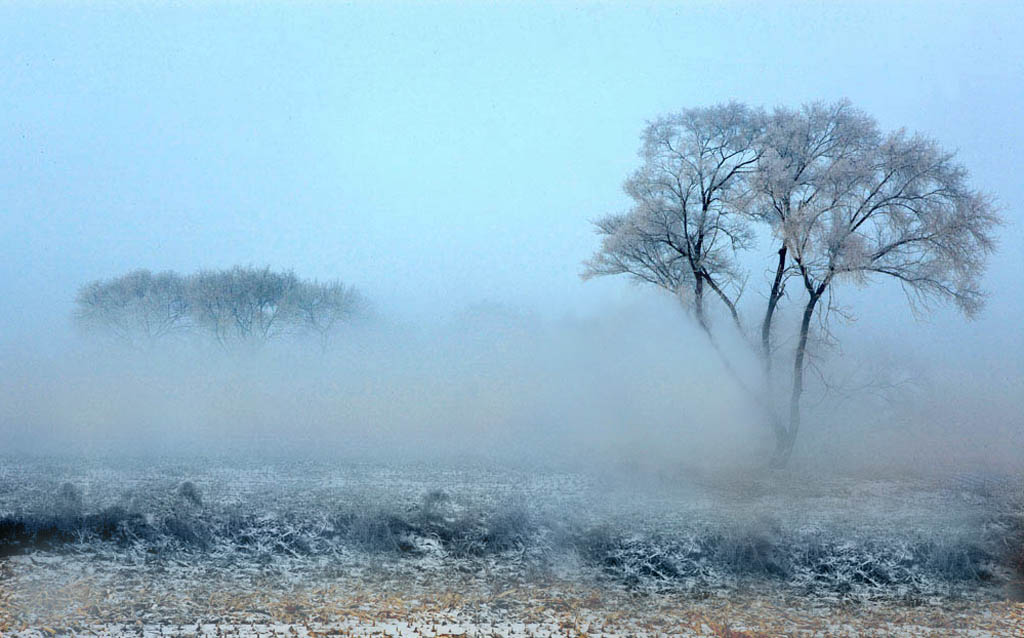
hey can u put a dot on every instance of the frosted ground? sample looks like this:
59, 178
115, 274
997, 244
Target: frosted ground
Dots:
209, 546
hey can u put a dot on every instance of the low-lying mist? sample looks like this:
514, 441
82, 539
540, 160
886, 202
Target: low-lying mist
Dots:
634, 388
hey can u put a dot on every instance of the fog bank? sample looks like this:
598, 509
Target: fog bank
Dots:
635, 387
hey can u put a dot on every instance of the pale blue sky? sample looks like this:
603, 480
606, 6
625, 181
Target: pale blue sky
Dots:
437, 155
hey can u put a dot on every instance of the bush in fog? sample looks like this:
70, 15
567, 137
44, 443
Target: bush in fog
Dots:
831, 560
434, 503
374, 530
69, 498
509, 529
236, 305
1010, 526
68, 508
753, 552
190, 493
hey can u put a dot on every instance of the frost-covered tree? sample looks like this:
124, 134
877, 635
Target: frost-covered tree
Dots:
843, 202
234, 306
850, 204
244, 303
321, 307
688, 217
138, 307
802, 152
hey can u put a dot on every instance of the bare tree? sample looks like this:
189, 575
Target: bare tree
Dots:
321, 307
210, 305
802, 151
843, 202
895, 205
689, 215
138, 307
239, 305
243, 304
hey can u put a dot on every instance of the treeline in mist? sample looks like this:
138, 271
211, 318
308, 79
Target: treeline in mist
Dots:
236, 305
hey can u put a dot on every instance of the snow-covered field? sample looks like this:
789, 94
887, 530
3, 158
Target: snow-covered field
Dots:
207, 546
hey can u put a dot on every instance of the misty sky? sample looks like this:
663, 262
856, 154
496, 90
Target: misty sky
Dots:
440, 155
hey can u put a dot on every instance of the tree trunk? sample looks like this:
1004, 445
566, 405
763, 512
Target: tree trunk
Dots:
786, 437
774, 420
698, 303
773, 301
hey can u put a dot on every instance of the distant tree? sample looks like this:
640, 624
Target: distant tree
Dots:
843, 202
210, 304
243, 304
321, 307
238, 305
138, 306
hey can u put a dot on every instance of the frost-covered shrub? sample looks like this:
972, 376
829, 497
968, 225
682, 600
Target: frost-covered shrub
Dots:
118, 524
596, 544
814, 561
635, 561
508, 529
189, 493
754, 549
437, 518
375, 531
67, 510
435, 515
958, 561
437, 521
186, 529
640, 548
1016, 551
69, 498
1010, 529
434, 499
